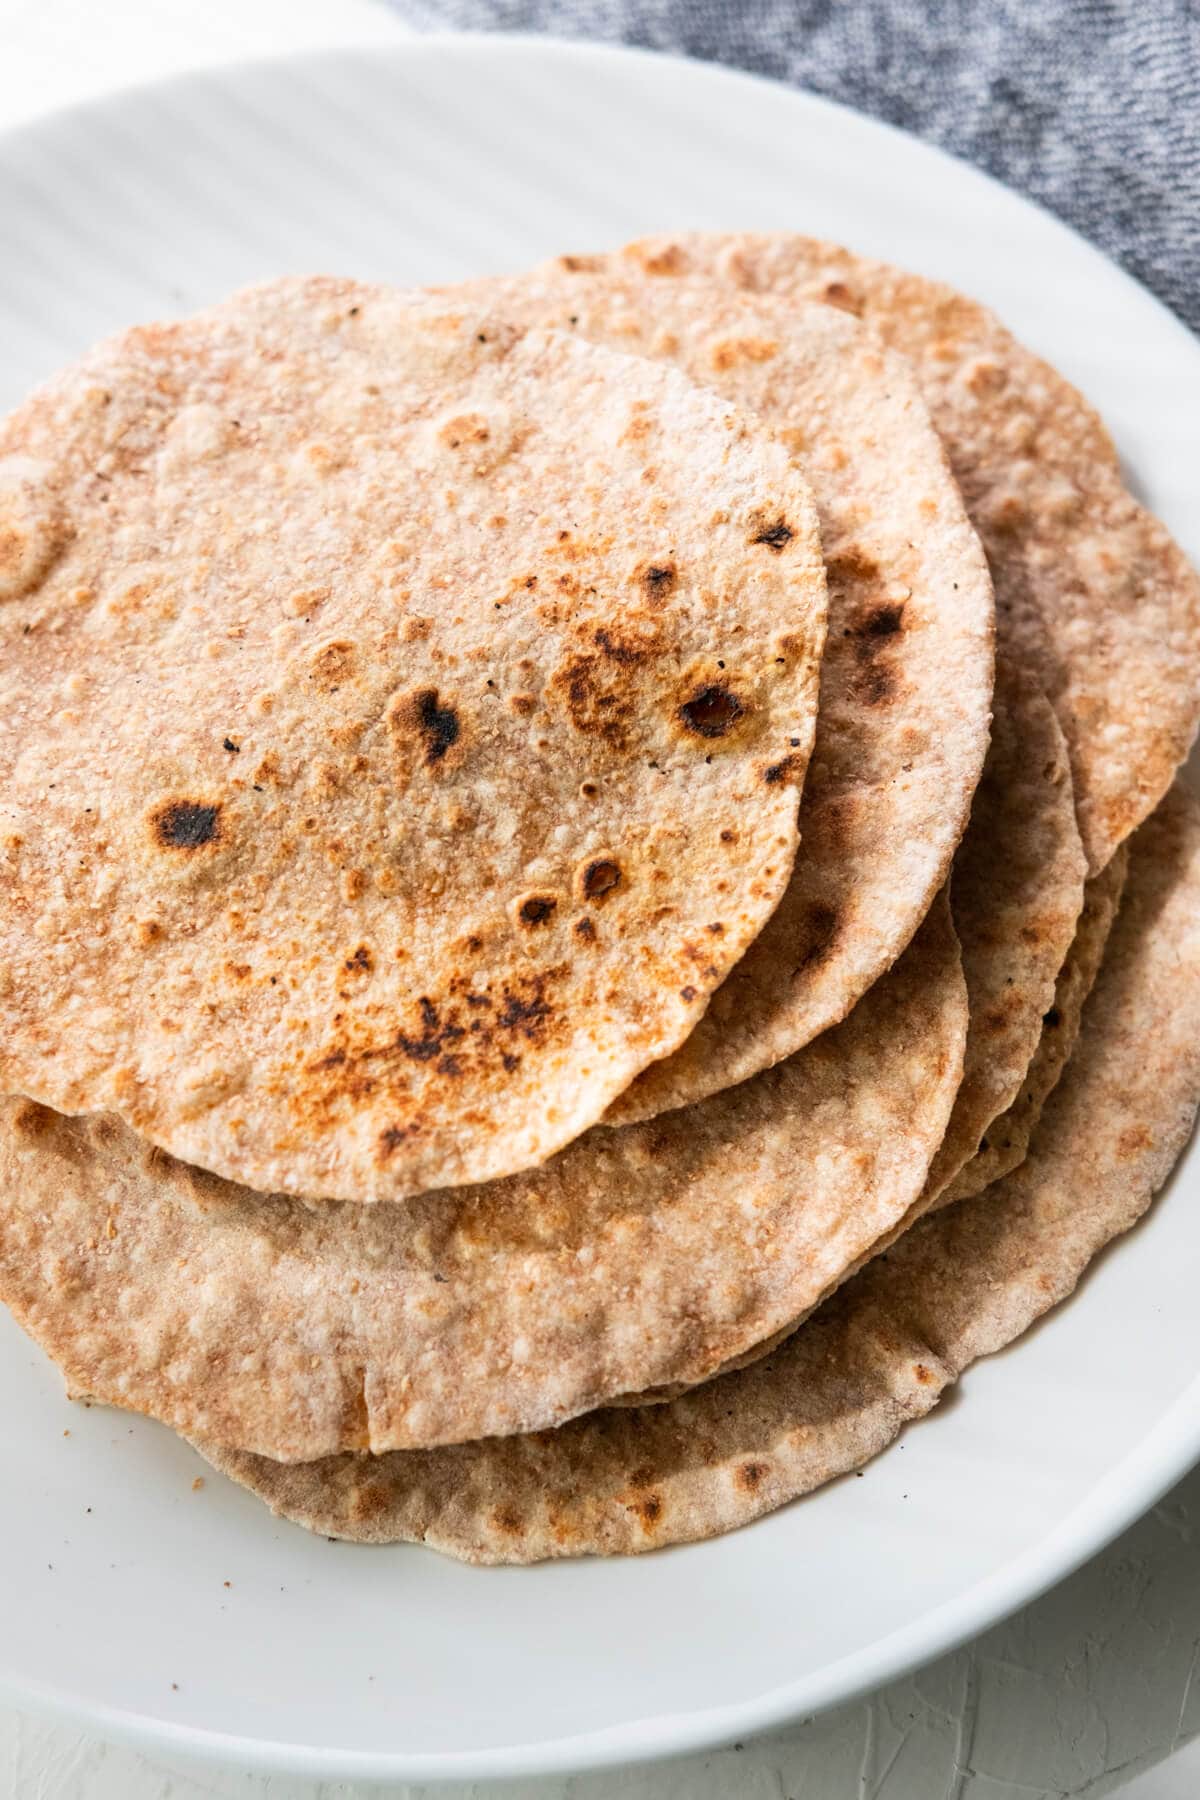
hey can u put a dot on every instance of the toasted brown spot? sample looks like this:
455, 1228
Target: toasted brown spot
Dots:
361, 962
305, 600
730, 352
598, 699
820, 928
983, 376
332, 664
688, 994
392, 1137
776, 534
782, 771
622, 650
28, 547
14, 553
436, 724
649, 1509
324, 779
712, 711
356, 1424
851, 564
449, 1038
536, 909
585, 929
439, 725
435, 1034
187, 824
525, 1015
924, 1375
33, 1120
1000, 1016
466, 428
368, 1499
749, 1475
506, 1520
600, 879
670, 260
1133, 1140
875, 685
1006, 512
658, 578
882, 622
874, 681
836, 293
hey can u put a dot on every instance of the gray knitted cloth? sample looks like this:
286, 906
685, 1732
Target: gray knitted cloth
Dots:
1090, 106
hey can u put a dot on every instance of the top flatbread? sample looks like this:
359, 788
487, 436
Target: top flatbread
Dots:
882, 1351
907, 676
1091, 591
401, 726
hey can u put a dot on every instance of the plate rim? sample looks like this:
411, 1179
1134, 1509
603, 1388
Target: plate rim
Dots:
1126, 1490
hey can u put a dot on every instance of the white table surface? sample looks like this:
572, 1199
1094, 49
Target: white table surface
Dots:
1090, 1691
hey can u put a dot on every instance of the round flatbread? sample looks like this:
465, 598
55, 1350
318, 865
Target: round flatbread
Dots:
1091, 591
962, 1284
636, 1258
401, 726
907, 677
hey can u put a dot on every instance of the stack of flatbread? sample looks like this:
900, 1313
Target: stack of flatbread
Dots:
593, 893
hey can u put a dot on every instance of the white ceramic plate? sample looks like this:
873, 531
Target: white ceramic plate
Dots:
192, 1622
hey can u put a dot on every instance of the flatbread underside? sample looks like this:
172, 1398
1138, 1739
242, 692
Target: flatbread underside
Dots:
1091, 590
907, 676
402, 720
636, 1258
963, 1283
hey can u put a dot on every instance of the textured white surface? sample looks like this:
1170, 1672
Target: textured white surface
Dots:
1085, 1689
